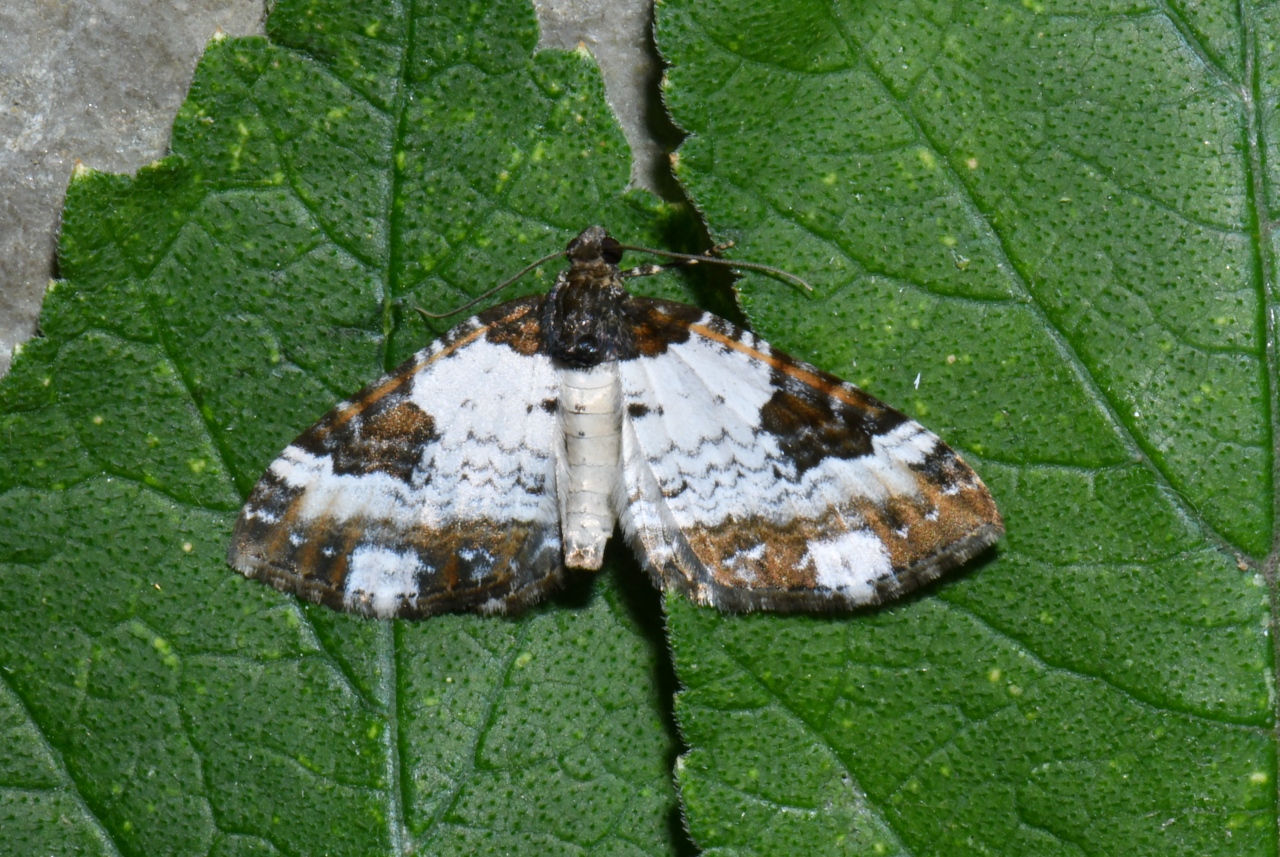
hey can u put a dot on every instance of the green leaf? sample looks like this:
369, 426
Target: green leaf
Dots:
1056, 218
364, 160
1044, 229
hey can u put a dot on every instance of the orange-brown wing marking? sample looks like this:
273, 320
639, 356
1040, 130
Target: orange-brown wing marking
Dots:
432, 490
756, 481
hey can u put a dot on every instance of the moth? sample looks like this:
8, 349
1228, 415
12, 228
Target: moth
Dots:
506, 452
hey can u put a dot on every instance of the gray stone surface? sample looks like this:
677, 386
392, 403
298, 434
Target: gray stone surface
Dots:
619, 34
99, 81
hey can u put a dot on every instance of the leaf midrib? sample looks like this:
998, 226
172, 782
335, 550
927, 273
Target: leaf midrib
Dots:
1252, 95
395, 225
389, 630
387, 706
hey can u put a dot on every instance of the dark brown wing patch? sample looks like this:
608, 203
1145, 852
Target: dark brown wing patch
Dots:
776, 486
358, 512
491, 567
656, 325
756, 564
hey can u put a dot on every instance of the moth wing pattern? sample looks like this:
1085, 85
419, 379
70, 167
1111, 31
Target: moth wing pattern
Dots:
431, 490
753, 481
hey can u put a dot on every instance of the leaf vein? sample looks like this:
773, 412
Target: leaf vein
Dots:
817, 736
71, 787
506, 664
302, 198
1131, 695
1196, 46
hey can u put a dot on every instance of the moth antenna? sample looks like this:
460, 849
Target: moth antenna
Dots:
728, 263
493, 291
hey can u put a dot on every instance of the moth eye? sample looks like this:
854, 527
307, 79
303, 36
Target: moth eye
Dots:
610, 251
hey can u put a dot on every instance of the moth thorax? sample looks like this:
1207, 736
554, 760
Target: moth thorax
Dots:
591, 415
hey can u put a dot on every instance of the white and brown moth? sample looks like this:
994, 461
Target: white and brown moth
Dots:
473, 475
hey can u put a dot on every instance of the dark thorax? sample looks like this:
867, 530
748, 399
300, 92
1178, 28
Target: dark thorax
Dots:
584, 316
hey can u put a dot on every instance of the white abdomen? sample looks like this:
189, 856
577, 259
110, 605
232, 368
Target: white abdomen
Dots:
591, 414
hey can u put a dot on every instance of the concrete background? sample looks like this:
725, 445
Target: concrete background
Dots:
99, 81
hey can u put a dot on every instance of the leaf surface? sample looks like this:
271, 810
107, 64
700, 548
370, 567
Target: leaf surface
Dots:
363, 160
1044, 230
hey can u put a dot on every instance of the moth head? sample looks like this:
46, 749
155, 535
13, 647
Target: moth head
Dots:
593, 244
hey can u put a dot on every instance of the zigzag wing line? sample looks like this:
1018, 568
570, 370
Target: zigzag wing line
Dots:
432, 490
755, 481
